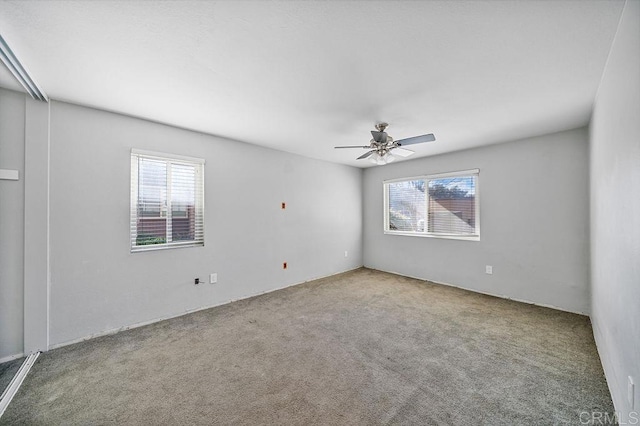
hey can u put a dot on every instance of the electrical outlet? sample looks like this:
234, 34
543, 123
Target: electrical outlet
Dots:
630, 391
488, 269
213, 278
196, 281
346, 253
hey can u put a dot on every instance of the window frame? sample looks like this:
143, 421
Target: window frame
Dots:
462, 173
199, 206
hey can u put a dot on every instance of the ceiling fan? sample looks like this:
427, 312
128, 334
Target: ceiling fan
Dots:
382, 144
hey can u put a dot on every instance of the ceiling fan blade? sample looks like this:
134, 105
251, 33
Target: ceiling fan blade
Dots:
365, 155
402, 152
416, 139
380, 137
352, 146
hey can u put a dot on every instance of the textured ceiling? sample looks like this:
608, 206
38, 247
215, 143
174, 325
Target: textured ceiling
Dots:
306, 76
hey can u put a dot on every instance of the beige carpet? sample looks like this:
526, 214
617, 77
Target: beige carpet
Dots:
364, 347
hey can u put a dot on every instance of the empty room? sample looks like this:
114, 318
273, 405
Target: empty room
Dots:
320, 212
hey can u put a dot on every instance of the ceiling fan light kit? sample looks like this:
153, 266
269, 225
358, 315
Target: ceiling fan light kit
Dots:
381, 160
382, 144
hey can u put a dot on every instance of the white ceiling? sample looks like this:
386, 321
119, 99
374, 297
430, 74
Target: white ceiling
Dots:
306, 76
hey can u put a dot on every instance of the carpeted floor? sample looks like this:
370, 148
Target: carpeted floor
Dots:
364, 347
7, 371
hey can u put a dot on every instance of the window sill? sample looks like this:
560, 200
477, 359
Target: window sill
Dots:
441, 236
155, 247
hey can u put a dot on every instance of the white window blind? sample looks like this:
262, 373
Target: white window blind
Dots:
443, 205
167, 201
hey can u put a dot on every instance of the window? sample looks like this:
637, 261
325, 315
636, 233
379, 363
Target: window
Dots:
443, 205
167, 201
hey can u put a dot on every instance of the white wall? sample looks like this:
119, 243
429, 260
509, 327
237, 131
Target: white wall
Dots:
36, 226
533, 220
615, 213
12, 111
98, 285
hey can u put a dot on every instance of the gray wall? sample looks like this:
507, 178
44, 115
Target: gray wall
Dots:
97, 285
615, 213
533, 222
12, 111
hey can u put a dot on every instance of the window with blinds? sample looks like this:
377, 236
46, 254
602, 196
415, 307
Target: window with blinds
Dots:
167, 201
443, 205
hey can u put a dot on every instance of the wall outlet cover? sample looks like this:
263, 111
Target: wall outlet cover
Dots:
213, 278
488, 269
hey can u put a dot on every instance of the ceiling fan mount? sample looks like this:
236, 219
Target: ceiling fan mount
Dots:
382, 144
382, 126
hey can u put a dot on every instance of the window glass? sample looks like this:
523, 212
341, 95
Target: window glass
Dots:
167, 197
442, 205
452, 205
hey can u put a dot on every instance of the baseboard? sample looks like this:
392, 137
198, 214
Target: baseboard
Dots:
607, 367
11, 357
473, 290
187, 312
